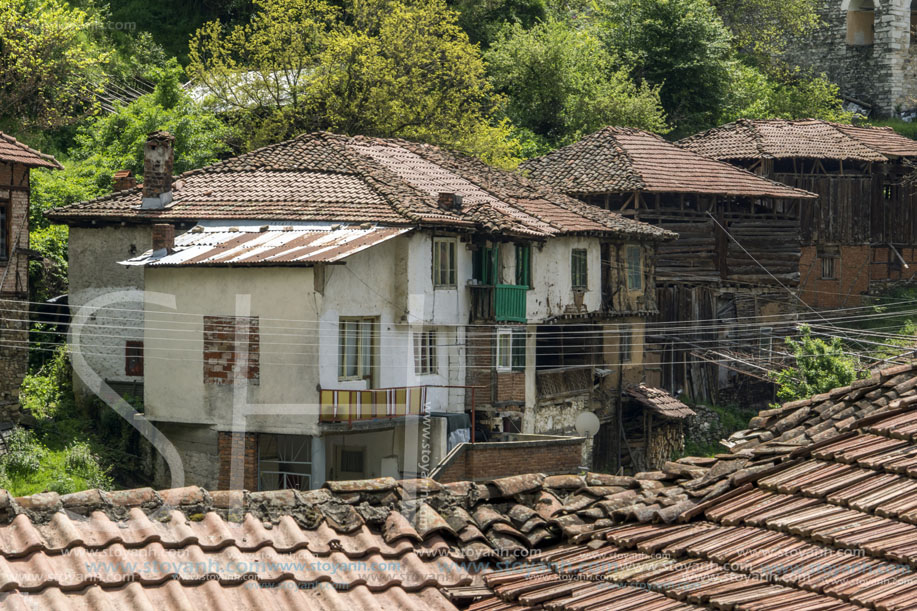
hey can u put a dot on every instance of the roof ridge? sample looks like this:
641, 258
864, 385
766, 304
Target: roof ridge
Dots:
48, 159
629, 169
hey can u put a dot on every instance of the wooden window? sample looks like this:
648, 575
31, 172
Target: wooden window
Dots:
425, 353
4, 229
626, 344
828, 268
518, 350
511, 349
578, 269
483, 263
444, 263
351, 463
356, 348
634, 268
133, 358
524, 265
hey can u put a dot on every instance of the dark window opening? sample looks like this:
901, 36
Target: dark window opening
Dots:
133, 358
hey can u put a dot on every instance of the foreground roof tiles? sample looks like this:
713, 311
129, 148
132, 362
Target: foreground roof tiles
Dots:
623, 160
832, 526
13, 151
824, 519
807, 138
327, 177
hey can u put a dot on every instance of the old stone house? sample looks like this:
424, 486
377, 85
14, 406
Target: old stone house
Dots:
730, 223
861, 233
16, 161
381, 276
868, 48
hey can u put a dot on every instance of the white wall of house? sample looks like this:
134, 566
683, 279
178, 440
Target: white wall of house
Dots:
552, 277
95, 277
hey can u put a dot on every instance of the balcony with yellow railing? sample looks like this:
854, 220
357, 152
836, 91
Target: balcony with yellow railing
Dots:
349, 406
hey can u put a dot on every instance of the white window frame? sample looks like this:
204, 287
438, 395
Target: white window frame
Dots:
445, 277
626, 345
365, 352
425, 353
504, 349
629, 270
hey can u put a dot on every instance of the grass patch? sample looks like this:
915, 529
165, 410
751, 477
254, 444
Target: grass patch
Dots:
66, 451
904, 128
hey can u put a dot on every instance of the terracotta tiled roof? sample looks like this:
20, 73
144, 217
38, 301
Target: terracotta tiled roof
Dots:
808, 138
327, 177
774, 526
659, 402
622, 160
13, 151
832, 526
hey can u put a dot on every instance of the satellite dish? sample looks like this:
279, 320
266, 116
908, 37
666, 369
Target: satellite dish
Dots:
587, 424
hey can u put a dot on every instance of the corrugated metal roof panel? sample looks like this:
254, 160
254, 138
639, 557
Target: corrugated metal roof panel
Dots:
262, 243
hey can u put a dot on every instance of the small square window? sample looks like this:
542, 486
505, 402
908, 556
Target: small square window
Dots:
444, 262
578, 269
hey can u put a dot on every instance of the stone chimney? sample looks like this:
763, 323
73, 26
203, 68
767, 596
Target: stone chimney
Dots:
163, 237
124, 180
157, 170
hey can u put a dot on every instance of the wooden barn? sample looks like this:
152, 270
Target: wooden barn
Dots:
727, 275
861, 233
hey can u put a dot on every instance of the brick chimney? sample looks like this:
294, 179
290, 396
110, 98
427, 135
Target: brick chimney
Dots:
157, 170
163, 237
124, 180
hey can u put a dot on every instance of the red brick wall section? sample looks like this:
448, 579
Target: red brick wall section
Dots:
479, 363
511, 386
852, 272
886, 266
239, 452
486, 461
225, 337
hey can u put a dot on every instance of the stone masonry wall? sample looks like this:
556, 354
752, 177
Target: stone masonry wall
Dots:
875, 73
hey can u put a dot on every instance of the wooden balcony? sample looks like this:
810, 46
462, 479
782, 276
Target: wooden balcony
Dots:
498, 303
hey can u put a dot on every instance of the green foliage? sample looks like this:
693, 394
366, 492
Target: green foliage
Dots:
50, 64
561, 83
782, 94
680, 46
114, 141
374, 67
820, 366
62, 453
763, 27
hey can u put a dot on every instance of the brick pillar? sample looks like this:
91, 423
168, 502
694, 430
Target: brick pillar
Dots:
238, 452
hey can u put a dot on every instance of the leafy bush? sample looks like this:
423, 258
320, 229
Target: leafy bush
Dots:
820, 366
24, 455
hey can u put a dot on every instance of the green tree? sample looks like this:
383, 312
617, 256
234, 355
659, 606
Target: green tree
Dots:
375, 67
114, 141
680, 46
763, 27
562, 83
820, 366
782, 94
50, 65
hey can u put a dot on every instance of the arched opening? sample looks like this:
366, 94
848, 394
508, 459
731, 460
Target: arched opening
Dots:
861, 15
